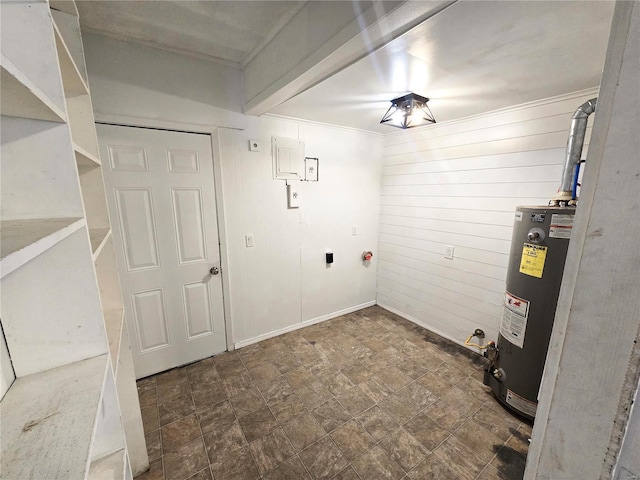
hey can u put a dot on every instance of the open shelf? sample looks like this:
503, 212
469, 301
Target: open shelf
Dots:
65, 6
94, 199
109, 435
111, 467
48, 421
85, 158
22, 98
39, 172
72, 81
81, 121
24, 240
114, 323
69, 26
98, 237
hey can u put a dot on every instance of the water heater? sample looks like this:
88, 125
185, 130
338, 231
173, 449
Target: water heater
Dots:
539, 247
538, 252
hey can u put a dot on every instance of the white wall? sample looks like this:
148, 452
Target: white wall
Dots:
458, 183
131, 82
283, 281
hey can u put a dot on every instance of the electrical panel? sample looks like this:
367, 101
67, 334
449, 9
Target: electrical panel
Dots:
288, 158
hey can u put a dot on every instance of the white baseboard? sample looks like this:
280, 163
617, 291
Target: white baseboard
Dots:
297, 326
424, 325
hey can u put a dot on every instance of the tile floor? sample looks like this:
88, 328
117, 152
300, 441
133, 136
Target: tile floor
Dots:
366, 396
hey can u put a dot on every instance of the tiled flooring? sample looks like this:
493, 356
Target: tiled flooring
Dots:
366, 396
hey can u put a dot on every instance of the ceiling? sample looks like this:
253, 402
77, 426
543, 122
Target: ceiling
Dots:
227, 31
472, 57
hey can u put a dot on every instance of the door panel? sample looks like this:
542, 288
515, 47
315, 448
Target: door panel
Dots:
160, 190
189, 225
183, 161
128, 159
196, 305
137, 224
150, 319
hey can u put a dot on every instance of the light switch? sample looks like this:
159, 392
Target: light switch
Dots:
354, 230
248, 240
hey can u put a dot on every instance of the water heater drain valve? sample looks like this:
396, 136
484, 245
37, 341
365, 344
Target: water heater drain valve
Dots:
491, 353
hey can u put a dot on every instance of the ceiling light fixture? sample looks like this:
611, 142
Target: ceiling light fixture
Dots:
408, 111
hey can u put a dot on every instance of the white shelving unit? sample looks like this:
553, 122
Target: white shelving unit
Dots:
69, 406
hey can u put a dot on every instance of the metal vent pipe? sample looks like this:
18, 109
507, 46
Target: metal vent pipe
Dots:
574, 147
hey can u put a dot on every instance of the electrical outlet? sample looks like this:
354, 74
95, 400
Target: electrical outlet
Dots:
448, 252
354, 230
254, 145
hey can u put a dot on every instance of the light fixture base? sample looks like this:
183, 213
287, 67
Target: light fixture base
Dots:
408, 111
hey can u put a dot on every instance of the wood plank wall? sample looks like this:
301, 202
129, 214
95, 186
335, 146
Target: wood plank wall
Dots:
458, 183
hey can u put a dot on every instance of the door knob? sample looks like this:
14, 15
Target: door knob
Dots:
214, 271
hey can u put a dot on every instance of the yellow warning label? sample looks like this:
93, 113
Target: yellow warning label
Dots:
532, 262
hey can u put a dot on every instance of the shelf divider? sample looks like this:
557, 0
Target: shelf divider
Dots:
85, 158
111, 467
98, 237
22, 98
72, 81
23, 240
114, 323
65, 6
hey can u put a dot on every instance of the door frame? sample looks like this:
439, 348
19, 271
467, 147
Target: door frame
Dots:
213, 133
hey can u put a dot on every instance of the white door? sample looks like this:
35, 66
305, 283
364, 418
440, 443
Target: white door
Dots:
160, 191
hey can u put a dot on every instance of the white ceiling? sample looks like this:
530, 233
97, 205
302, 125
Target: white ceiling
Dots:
473, 57
227, 31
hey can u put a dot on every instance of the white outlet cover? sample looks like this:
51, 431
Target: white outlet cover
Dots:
448, 252
293, 196
254, 145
